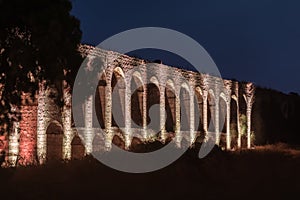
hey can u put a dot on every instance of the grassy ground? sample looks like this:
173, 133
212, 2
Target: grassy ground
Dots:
263, 173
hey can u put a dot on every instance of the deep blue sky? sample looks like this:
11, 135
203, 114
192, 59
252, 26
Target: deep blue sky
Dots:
251, 40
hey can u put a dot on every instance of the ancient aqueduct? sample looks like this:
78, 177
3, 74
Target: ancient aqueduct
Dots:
47, 130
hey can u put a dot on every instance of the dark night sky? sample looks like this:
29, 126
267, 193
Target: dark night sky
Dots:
251, 40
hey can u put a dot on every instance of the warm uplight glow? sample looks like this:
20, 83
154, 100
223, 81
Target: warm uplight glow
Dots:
67, 122
27, 140
36, 118
41, 124
13, 145
88, 117
249, 98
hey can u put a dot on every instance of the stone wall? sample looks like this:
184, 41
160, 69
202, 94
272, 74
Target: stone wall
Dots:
214, 97
184, 95
28, 130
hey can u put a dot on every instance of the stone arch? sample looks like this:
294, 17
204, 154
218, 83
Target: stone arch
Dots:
137, 74
185, 86
77, 148
223, 96
47, 112
52, 108
114, 69
98, 143
170, 83
119, 140
54, 141
155, 81
211, 92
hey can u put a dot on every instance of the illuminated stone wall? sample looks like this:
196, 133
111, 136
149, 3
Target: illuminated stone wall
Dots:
67, 122
28, 130
13, 145
49, 112
202, 85
28, 139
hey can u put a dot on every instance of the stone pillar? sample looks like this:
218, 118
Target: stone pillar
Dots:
145, 112
239, 142
102, 93
192, 118
217, 123
88, 125
140, 103
121, 89
227, 98
205, 87
108, 117
205, 126
249, 126
127, 115
249, 98
41, 124
178, 134
13, 145
236, 98
228, 138
217, 108
67, 122
162, 113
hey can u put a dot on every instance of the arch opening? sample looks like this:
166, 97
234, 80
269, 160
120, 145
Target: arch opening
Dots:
118, 98
77, 148
170, 106
199, 126
153, 102
184, 110
199, 110
99, 116
211, 112
137, 90
233, 123
54, 134
243, 118
222, 122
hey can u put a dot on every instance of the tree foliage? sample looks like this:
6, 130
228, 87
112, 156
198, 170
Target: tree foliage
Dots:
38, 41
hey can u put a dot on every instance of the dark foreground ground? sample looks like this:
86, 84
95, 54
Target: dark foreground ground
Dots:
271, 172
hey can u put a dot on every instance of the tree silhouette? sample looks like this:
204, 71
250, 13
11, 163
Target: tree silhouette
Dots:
38, 41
